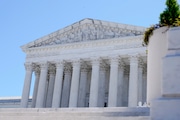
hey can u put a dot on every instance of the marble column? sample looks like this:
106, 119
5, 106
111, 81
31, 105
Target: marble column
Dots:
113, 83
120, 85
73, 100
37, 76
42, 85
66, 86
125, 87
140, 82
58, 85
93, 99
27, 85
102, 80
83, 86
133, 82
50, 86
46, 91
144, 87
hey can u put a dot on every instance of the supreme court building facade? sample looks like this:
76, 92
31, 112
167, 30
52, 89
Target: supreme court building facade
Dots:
91, 63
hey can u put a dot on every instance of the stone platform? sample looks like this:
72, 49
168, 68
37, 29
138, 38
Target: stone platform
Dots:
121, 113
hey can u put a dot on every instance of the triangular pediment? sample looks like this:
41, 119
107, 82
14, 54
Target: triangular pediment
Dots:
87, 30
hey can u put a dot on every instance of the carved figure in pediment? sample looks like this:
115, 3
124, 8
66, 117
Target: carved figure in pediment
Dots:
79, 35
58, 41
91, 27
100, 32
109, 34
92, 34
71, 36
85, 35
63, 39
52, 43
58, 37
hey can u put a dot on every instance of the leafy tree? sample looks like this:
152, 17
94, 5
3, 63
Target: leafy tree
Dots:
169, 17
171, 14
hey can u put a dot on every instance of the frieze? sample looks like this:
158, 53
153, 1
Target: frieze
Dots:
119, 43
126, 46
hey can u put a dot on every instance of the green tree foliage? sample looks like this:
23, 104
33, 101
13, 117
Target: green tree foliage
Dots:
169, 17
170, 14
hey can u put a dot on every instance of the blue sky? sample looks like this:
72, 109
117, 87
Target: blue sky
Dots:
22, 21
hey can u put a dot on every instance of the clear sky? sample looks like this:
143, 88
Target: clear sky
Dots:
22, 21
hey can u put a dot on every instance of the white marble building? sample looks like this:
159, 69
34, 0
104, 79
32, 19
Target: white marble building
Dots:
91, 63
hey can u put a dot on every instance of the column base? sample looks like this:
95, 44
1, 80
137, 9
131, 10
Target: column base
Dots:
165, 109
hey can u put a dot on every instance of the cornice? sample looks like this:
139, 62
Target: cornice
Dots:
117, 43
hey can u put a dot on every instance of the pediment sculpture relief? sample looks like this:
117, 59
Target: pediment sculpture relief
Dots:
86, 32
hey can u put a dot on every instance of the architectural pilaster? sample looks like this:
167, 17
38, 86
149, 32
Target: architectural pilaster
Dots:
133, 82
27, 85
42, 85
113, 83
93, 99
50, 90
58, 85
120, 84
83, 85
37, 76
75, 84
66, 86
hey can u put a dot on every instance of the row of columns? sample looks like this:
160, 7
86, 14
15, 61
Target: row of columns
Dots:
71, 88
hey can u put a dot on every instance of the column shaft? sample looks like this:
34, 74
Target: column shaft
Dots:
120, 85
50, 86
102, 79
58, 85
140, 83
74, 85
133, 82
82, 87
37, 75
42, 85
93, 99
27, 85
113, 85
46, 91
66, 87
144, 96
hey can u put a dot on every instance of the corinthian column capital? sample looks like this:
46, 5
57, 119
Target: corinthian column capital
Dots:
133, 59
37, 70
67, 69
52, 69
121, 65
103, 66
44, 65
59, 64
114, 59
141, 63
28, 66
84, 67
95, 61
76, 62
